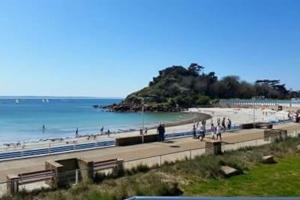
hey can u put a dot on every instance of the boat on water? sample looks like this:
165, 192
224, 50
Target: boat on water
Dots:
17, 101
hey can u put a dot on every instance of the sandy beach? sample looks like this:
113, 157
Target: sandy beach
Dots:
236, 115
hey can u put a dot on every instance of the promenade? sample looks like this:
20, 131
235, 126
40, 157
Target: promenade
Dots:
133, 152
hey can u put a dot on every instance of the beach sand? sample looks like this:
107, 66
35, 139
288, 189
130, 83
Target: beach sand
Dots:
237, 115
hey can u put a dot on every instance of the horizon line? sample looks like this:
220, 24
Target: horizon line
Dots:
54, 97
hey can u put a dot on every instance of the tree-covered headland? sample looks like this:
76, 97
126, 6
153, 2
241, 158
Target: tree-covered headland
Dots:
178, 87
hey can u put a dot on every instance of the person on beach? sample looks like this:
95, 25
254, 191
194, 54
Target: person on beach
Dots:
44, 128
219, 132
194, 131
141, 132
218, 121
77, 133
102, 130
108, 132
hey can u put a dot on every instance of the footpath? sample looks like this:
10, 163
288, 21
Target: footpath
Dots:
135, 152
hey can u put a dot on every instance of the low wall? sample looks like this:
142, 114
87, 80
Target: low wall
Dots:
133, 140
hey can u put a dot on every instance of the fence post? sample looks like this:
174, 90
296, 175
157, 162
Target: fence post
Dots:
12, 184
76, 176
160, 160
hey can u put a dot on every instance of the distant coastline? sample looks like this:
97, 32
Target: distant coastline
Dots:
58, 97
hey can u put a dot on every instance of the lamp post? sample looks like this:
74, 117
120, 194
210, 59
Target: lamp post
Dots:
143, 119
143, 113
253, 100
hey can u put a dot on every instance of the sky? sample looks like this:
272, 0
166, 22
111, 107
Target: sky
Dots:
110, 48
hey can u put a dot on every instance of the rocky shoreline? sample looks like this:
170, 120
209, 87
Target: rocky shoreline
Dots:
123, 107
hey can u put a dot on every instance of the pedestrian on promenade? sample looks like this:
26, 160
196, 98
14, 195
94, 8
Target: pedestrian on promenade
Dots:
194, 131
219, 132
108, 132
161, 132
229, 124
224, 123
146, 131
213, 130
202, 132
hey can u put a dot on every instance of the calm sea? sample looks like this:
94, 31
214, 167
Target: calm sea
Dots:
23, 119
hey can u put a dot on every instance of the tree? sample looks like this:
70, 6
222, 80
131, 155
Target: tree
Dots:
195, 69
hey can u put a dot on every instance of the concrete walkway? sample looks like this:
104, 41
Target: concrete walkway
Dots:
132, 152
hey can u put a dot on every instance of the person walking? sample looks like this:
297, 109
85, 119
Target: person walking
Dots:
194, 131
224, 123
202, 132
213, 131
218, 121
102, 130
229, 124
77, 133
161, 132
141, 132
44, 128
219, 132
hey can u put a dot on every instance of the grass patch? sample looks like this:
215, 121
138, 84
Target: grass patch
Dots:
198, 177
282, 179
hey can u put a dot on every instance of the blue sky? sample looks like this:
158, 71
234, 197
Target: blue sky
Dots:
109, 48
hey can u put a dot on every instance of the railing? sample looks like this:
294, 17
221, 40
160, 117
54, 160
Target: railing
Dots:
28, 180
54, 150
213, 198
20, 154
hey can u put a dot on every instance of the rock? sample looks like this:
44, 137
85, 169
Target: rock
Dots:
229, 171
268, 159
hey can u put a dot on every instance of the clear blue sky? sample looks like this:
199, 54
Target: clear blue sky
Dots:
109, 48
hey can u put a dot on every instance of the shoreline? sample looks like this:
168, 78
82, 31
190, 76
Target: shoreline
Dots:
194, 117
237, 115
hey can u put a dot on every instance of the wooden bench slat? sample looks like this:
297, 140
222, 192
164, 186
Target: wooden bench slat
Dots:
103, 164
105, 167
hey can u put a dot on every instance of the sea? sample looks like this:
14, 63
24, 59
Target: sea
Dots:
22, 119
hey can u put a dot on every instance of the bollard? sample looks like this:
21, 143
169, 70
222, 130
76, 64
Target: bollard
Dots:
213, 147
12, 184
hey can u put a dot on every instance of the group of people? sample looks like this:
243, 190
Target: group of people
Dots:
144, 131
216, 130
294, 116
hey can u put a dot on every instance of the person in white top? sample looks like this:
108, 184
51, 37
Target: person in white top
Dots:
219, 132
213, 130
202, 132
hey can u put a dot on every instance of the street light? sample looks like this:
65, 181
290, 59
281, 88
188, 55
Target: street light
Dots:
253, 98
143, 117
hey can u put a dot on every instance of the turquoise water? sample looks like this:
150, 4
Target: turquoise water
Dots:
23, 119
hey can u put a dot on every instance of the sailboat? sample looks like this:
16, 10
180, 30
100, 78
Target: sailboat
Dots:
17, 101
